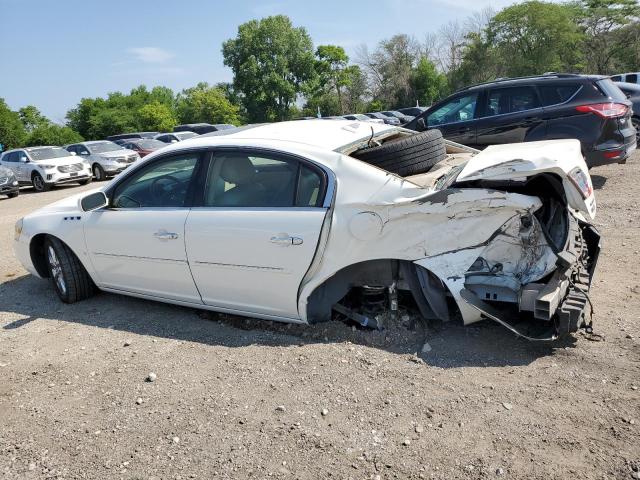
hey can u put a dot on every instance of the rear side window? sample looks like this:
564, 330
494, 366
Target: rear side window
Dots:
511, 100
616, 78
555, 94
610, 90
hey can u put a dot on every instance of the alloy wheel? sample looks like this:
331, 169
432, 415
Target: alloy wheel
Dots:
56, 270
38, 183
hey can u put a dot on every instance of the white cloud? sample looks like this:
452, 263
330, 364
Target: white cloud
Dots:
150, 54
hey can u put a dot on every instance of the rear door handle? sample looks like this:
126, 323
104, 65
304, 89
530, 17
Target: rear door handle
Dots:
286, 240
164, 235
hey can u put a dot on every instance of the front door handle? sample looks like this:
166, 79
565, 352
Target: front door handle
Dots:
164, 235
286, 240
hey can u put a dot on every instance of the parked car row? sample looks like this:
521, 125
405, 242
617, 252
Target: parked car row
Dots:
47, 166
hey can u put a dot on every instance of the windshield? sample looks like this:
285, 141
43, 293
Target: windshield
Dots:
150, 144
46, 153
103, 147
185, 135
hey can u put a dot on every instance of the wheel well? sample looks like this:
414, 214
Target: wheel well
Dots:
38, 258
430, 294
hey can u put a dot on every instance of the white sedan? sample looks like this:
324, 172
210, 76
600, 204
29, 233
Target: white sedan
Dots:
282, 222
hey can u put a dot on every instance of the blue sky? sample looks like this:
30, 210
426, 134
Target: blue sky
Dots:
54, 52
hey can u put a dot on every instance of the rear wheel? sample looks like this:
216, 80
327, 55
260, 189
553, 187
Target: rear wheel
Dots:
98, 172
409, 155
70, 279
38, 183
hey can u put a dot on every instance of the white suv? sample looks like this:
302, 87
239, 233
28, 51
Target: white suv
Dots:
44, 167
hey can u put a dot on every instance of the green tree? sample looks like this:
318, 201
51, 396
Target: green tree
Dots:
332, 70
535, 36
272, 61
31, 118
607, 42
52, 134
12, 133
204, 103
156, 116
427, 83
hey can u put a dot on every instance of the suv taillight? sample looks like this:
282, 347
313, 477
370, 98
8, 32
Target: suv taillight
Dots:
605, 110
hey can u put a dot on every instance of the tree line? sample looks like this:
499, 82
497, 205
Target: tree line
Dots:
278, 74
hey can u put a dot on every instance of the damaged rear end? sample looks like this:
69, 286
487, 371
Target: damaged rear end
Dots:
533, 275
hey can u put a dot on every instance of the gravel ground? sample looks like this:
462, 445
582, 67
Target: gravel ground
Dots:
236, 398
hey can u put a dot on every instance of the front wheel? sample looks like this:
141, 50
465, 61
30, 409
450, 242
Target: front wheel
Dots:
39, 184
13, 194
98, 172
635, 121
69, 277
85, 182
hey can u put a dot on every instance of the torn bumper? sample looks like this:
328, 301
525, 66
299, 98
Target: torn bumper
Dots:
557, 304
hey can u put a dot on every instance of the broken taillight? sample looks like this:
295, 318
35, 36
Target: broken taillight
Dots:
581, 181
605, 110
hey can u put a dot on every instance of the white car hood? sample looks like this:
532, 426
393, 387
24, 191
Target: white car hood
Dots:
66, 205
70, 160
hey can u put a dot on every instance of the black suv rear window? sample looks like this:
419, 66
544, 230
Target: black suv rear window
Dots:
610, 89
555, 94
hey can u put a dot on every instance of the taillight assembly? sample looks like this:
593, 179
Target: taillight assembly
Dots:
605, 110
581, 181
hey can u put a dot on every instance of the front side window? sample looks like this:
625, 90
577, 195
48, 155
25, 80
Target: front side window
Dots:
511, 100
244, 179
632, 78
164, 183
459, 109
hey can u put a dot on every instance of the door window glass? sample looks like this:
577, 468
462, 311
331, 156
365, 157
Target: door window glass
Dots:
632, 78
164, 183
459, 109
242, 179
511, 100
555, 94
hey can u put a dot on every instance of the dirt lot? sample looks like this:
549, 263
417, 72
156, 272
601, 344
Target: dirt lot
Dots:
237, 398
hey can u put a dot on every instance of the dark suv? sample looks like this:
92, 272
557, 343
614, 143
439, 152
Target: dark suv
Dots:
587, 107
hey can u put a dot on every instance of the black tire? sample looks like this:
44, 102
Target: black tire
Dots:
409, 155
69, 277
39, 184
13, 194
635, 121
85, 182
99, 173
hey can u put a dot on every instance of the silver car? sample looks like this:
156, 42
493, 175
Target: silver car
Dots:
105, 157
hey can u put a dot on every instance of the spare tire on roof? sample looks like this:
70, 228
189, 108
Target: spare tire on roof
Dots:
408, 155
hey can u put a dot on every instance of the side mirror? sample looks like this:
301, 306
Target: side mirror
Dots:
84, 153
421, 126
94, 202
24, 159
174, 141
73, 154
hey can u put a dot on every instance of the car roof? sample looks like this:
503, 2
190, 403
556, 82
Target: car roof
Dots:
30, 149
533, 79
334, 135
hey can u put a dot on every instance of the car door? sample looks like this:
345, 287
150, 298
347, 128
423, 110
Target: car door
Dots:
255, 233
137, 244
9, 160
455, 118
510, 115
